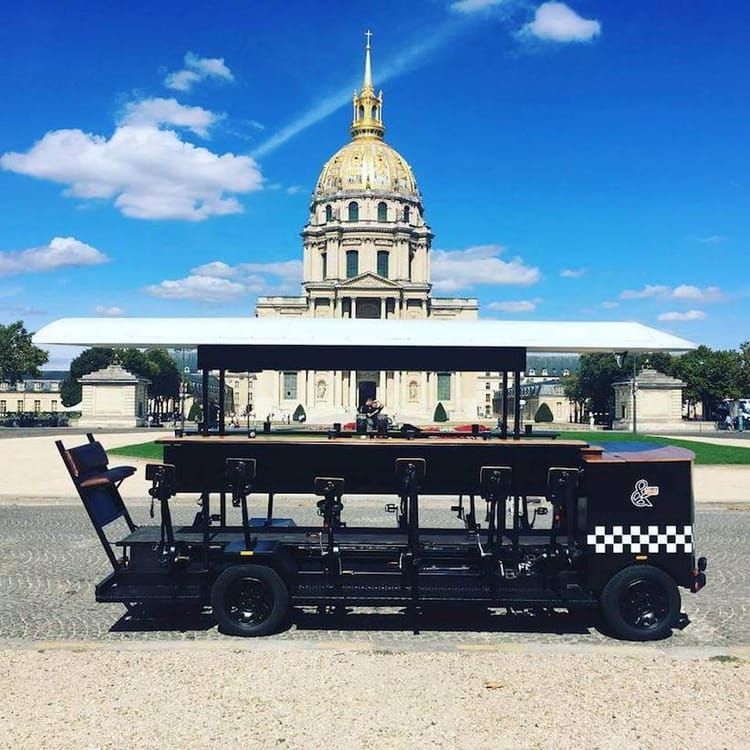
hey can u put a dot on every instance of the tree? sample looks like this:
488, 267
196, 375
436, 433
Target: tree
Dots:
710, 376
87, 361
154, 364
440, 415
18, 356
543, 414
299, 414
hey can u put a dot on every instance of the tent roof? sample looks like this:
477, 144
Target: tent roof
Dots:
534, 336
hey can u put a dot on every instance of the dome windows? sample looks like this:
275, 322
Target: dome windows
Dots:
354, 211
407, 214
352, 263
382, 211
383, 263
329, 213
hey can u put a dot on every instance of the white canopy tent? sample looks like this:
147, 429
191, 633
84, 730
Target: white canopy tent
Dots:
534, 336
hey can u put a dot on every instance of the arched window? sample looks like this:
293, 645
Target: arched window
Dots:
361, 112
382, 211
354, 211
407, 211
374, 113
352, 263
329, 213
324, 264
383, 263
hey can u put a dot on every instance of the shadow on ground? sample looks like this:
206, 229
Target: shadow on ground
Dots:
350, 619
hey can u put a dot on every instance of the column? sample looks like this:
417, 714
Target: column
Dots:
396, 390
382, 392
353, 389
424, 397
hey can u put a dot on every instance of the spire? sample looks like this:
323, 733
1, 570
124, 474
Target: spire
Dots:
367, 121
367, 83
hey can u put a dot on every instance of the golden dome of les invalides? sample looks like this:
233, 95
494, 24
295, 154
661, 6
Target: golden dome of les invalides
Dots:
367, 162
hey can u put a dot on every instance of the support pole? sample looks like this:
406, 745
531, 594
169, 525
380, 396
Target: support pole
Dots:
517, 405
204, 385
504, 426
222, 401
635, 389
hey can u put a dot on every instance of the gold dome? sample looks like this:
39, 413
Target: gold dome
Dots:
367, 164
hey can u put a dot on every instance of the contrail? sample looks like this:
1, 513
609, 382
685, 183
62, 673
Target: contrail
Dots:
406, 60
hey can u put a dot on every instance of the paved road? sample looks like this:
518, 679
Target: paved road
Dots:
51, 560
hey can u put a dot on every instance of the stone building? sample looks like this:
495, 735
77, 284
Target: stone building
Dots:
366, 254
32, 395
658, 401
113, 397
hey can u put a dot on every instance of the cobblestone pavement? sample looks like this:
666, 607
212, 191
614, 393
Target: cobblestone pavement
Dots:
51, 560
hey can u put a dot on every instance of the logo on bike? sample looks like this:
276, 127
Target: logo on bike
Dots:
641, 494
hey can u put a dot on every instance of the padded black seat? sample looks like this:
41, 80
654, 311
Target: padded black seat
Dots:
88, 464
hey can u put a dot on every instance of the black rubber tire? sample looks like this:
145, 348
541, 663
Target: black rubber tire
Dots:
641, 603
249, 600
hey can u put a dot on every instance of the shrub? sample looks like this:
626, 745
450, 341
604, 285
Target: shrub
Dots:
195, 414
543, 414
299, 414
440, 415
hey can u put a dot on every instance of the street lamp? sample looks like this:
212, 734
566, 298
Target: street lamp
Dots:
620, 359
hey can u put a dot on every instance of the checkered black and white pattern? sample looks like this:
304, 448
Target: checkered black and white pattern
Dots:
635, 539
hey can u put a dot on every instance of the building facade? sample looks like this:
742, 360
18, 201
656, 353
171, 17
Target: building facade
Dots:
366, 254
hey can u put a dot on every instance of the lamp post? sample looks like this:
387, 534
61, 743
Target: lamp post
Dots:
620, 359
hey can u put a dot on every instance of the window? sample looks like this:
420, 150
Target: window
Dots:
354, 211
352, 263
38, 385
324, 264
37, 406
53, 405
444, 386
382, 211
329, 213
487, 386
19, 407
290, 385
20, 385
383, 263
374, 113
3, 407
406, 214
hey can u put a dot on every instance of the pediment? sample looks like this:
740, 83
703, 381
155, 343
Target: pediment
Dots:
368, 281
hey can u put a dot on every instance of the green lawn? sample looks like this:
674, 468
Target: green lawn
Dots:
140, 450
705, 453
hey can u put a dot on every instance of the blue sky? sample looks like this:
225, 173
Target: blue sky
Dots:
577, 161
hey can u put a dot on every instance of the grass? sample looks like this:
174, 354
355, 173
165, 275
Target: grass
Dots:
706, 454
151, 451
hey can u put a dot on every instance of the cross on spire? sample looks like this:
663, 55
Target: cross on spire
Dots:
368, 34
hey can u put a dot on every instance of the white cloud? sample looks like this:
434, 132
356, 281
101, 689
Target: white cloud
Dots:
610, 305
158, 111
150, 173
572, 273
461, 269
709, 294
294, 189
682, 292
521, 306
61, 252
713, 239
689, 315
556, 22
198, 69
472, 6
198, 288
109, 311
650, 290
259, 278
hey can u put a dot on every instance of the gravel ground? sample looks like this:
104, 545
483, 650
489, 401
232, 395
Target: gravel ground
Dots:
202, 697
